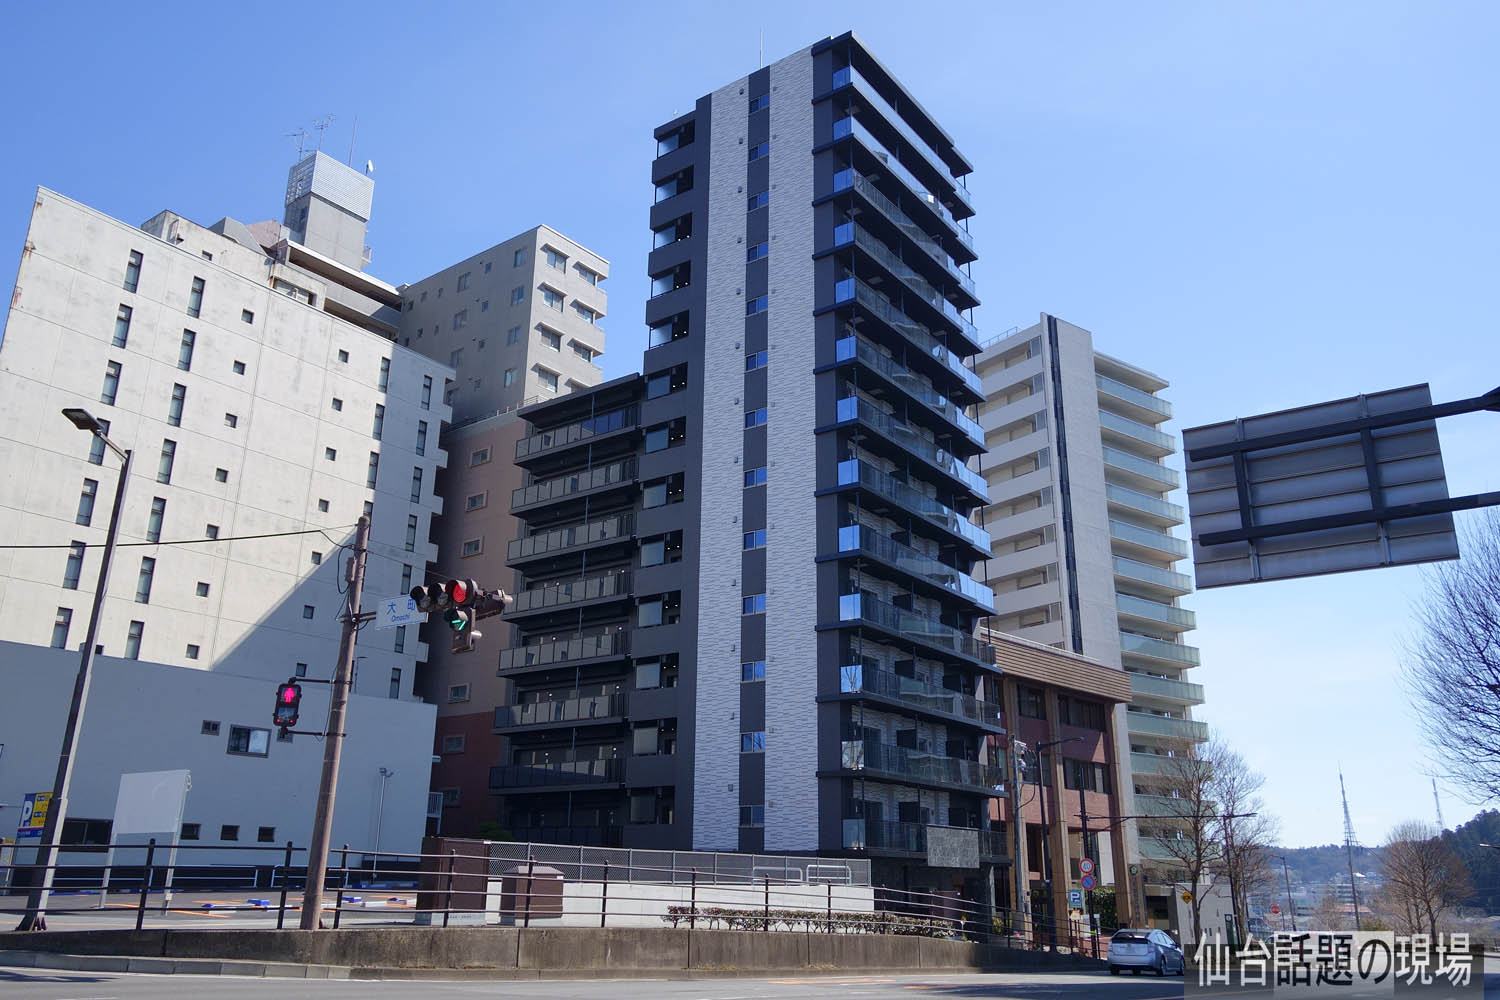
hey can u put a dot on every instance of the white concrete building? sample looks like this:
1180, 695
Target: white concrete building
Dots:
256, 381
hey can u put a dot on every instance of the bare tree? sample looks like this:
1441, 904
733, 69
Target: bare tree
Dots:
1452, 665
1188, 830
1423, 877
1246, 831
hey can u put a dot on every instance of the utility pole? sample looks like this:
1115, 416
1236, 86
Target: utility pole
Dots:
1088, 894
1289, 907
333, 745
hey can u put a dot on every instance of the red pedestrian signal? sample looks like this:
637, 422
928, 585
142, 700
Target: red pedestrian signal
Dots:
288, 704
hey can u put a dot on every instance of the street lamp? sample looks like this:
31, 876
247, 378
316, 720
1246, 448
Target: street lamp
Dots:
1287, 876
35, 917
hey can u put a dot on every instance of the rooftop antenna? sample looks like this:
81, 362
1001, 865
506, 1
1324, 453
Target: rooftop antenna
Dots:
301, 136
322, 126
1439, 803
762, 53
1350, 840
353, 132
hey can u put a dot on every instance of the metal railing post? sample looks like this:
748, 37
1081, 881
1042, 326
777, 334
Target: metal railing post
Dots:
448, 890
338, 901
140, 906
767, 926
530, 870
286, 876
604, 894
829, 912
693, 902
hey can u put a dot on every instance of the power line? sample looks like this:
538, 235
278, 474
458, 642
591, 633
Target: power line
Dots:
186, 541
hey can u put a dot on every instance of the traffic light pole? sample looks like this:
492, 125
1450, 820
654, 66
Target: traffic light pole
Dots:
333, 745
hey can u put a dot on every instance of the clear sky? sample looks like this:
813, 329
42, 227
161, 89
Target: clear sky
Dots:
1268, 203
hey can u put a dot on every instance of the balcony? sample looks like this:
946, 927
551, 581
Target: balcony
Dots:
1162, 727
905, 437
1141, 405
1158, 543
615, 474
587, 836
1135, 434
850, 233
907, 500
849, 128
909, 626
909, 383
911, 838
576, 433
575, 537
955, 582
850, 179
1156, 765
1163, 616
908, 766
854, 290
1166, 689
554, 774
918, 696
1140, 472
1152, 508
1159, 649
606, 646
1152, 577
594, 709
569, 593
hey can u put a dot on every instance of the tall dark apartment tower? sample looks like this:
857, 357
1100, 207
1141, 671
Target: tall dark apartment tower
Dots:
793, 665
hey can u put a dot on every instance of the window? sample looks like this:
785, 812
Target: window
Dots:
210, 531
676, 184
265, 835
584, 351
660, 492
477, 501
426, 400
675, 139
752, 815
221, 475
416, 484
460, 320
518, 295
554, 300
191, 831
548, 379
195, 298
509, 378
421, 437
231, 420
133, 271
343, 357
122, 326
454, 743
760, 103
759, 199
385, 375
153, 523
86, 502
74, 567
405, 578
174, 408
463, 281
757, 252
143, 582
185, 352
652, 612
192, 651
395, 690
668, 330
133, 640
592, 277
653, 552
756, 361
369, 506
111, 383
755, 477
202, 588
86, 834
239, 367
96, 444
331, 454
513, 336
518, 258
164, 464
479, 456
664, 436
755, 418
60, 626
246, 316
205, 255
755, 539
753, 670
555, 260
1033, 703
678, 277
754, 604
372, 472
400, 643
337, 404
379, 422
760, 150
753, 742
473, 547
458, 693
308, 611
666, 382
552, 339
209, 728
411, 533
757, 305
230, 831
673, 232
317, 558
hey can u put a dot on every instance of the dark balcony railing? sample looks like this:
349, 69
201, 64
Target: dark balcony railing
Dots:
857, 679
574, 433
844, 128
565, 650
602, 529
850, 179
920, 765
855, 290
911, 838
561, 487
586, 836
913, 626
560, 772
541, 713
905, 435
862, 538
565, 592
912, 384
850, 232
854, 471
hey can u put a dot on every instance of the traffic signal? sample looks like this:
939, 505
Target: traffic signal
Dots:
460, 604
288, 703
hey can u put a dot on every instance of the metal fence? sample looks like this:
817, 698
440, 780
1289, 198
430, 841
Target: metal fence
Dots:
627, 864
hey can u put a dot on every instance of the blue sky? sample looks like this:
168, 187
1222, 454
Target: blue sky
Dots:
1267, 203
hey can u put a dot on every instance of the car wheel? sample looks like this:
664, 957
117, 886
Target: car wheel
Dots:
1161, 966
1135, 972
1114, 970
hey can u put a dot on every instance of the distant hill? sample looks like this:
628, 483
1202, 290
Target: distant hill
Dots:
1328, 863
1483, 862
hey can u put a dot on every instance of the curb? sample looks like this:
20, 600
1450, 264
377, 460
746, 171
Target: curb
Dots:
170, 966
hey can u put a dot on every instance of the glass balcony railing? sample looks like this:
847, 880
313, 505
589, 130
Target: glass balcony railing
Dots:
850, 179
1144, 502
541, 713
559, 540
1143, 467
915, 627
565, 592
1150, 436
858, 679
1133, 396
844, 128
862, 538
574, 433
1164, 806
919, 765
1166, 688
854, 471
1155, 611
582, 481
1153, 765
1154, 575
917, 285
912, 384
911, 838
1146, 538
587, 647
1161, 649
562, 772
1165, 727
854, 290
854, 408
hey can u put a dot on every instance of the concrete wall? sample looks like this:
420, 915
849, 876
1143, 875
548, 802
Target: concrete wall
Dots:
643, 904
